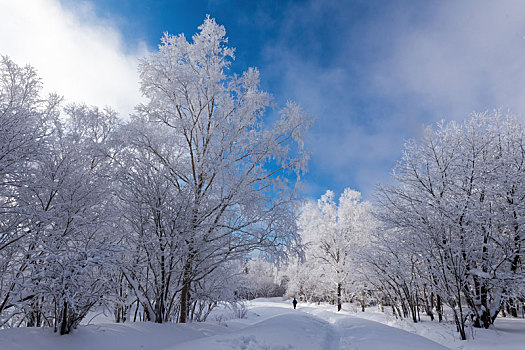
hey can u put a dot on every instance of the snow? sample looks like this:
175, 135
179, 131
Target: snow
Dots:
270, 324
104, 336
507, 333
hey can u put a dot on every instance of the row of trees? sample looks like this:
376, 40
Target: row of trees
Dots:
448, 232
155, 214
454, 221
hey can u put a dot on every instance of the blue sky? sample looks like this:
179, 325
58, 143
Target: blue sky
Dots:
372, 73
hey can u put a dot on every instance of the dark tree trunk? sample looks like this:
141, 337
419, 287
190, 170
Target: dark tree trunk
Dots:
64, 329
511, 308
184, 303
339, 306
460, 326
428, 304
439, 308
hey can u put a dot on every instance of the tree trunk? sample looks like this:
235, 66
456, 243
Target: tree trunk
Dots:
64, 329
184, 293
439, 308
184, 303
511, 308
428, 303
339, 306
460, 325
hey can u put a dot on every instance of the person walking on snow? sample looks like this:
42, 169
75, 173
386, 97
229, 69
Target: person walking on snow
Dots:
294, 302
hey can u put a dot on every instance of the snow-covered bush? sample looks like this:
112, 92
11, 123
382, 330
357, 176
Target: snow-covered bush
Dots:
260, 280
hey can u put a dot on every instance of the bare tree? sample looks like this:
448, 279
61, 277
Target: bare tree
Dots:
231, 175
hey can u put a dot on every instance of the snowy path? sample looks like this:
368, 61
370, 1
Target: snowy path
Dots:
358, 333
278, 327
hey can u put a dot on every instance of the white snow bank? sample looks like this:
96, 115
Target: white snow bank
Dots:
140, 335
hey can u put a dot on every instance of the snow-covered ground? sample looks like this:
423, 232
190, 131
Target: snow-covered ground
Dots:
507, 333
270, 324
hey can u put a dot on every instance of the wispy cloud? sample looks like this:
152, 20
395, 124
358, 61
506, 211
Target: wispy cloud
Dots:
374, 76
77, 54
457, 58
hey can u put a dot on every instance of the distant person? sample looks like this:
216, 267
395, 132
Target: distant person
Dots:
294, 302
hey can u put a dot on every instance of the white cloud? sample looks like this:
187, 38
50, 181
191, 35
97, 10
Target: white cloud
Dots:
403, 66
77, 55
461, 57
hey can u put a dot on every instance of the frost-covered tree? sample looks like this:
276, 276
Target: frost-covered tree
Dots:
155, 215
23, 116
230, 176
69, 205
457, 204
395, 272
307, 281
333, 234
